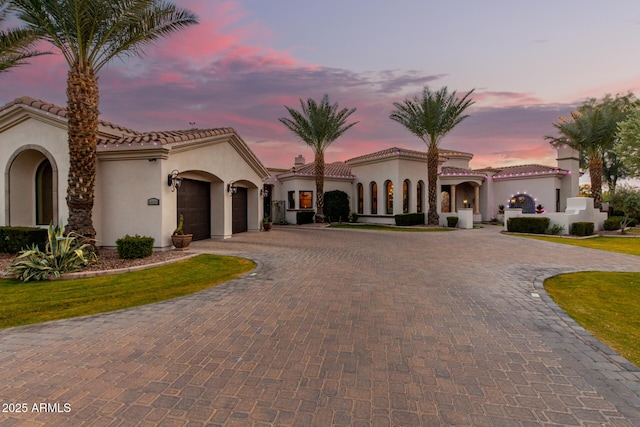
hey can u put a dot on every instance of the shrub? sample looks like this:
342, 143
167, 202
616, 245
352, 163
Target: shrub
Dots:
14, 239
134, 247
582, 228
336, 205
62, 254
353, 217
409, 219
556, 229
528, 225
452, 221
304, 217
613, 223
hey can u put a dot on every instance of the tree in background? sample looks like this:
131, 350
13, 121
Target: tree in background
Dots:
16, 44
90, 33
318, 126
592, 130
627, 199
430, 118
628, 147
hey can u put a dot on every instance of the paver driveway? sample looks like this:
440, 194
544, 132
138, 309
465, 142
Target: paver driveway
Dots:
337, 327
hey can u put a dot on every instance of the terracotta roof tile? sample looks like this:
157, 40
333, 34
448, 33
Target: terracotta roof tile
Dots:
58, 111
167, 137
331, 170
447, 170
521, 170
395, 151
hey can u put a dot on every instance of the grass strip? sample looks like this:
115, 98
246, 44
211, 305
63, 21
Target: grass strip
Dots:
606, 304
630, 246
36, 302
386, 228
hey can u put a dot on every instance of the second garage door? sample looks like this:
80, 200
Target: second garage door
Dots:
239, 211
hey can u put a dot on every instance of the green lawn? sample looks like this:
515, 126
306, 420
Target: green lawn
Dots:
36, 302
606, 304
623, 245
387, 228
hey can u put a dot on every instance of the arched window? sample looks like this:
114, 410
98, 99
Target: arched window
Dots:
44, 193
405, 196
419, 196
360, 199
523, 201
374, 198
388, 190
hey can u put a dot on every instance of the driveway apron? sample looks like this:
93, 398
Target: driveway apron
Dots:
336, 327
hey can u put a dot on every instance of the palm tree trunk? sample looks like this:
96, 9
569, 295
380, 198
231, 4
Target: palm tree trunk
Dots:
432, 177
319, 172
82, 110
595, 172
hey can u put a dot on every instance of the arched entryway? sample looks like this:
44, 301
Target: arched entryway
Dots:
31, 189
524, 202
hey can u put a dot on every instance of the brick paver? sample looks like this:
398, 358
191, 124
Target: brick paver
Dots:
337, 327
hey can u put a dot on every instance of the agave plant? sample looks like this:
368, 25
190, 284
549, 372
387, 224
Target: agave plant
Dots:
62, 254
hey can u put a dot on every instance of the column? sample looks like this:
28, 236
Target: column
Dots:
476, 200
452, 199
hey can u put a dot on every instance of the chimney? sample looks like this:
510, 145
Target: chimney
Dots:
299, 161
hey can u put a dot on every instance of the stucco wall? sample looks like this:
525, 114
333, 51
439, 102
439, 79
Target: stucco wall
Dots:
543, 190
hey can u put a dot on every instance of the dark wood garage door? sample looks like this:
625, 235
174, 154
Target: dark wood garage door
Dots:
239, 211
194, 202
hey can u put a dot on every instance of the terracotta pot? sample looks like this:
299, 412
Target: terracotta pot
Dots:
181, 241
266, 226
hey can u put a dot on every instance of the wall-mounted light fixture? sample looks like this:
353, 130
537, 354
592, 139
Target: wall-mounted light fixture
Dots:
173, 180
264, 192
231, 189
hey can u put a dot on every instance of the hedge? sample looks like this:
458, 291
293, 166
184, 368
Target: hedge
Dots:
305, 217
336, 206
130, 247
14, 239
409, 219
614, 223
582, 228
528, 225
452, 221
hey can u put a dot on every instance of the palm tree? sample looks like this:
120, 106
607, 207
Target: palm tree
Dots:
592, 130
15, 43
90, 33
318, 125
430, 118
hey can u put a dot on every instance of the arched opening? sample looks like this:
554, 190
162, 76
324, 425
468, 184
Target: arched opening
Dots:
524, 202
31, 187
360, 199
420, 197
44, 193
405, 196
388, 191
374, 198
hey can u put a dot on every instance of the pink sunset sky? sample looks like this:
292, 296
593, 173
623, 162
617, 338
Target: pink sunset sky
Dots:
529, 63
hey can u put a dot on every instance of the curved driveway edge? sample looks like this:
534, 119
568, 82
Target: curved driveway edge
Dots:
348, 327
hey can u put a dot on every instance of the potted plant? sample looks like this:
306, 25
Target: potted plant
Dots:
266, 223
179, 238
539, 209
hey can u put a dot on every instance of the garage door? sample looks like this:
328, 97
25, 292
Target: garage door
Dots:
239, 211
194, 202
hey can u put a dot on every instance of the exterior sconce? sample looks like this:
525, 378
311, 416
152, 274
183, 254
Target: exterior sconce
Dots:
231, 189
173, 180
264, 192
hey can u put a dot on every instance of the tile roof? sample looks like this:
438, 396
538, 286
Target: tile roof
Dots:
522, 170
395, 151
167, 137
331, 170
58, 111
451, 171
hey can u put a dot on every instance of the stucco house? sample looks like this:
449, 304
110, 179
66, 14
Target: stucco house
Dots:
144, 180
394, 181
